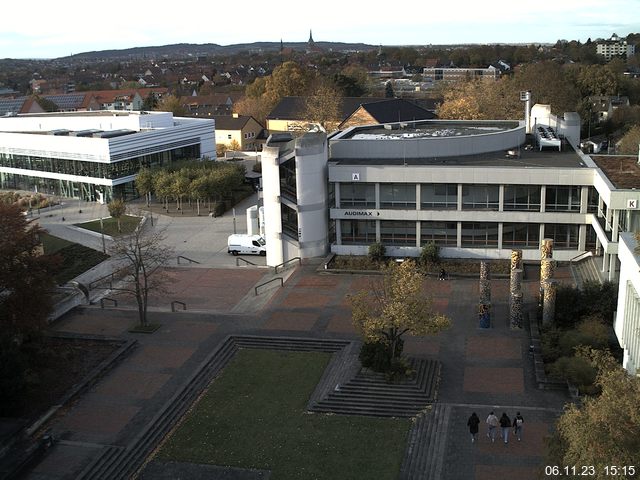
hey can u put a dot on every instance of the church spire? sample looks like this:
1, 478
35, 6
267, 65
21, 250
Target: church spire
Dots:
310, 37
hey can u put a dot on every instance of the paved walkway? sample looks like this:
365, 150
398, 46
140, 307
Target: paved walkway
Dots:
482, 370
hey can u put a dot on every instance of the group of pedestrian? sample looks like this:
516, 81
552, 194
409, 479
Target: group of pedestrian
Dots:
504, 422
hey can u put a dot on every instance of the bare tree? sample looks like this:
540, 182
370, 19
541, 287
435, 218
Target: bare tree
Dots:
143, 254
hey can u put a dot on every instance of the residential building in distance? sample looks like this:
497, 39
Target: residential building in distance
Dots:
96, 155
615, 47
603, 106
454, 74
245, 130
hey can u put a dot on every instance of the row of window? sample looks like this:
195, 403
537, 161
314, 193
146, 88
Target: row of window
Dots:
473, 234
114, 170
474, 197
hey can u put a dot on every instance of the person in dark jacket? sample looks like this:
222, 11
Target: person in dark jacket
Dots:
505, 425
473, 424
517, 425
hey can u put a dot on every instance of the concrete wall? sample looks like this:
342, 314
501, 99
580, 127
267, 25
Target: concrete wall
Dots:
627, 321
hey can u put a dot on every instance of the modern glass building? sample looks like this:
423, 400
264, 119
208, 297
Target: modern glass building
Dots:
95, 155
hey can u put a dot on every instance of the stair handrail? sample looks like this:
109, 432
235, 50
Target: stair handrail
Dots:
187, 258
268, 282
581, 256
287, 262
238, 259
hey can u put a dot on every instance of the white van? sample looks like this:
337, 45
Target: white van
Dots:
240, 244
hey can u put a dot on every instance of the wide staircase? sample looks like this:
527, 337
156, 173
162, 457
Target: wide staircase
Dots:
370, 393
584, 269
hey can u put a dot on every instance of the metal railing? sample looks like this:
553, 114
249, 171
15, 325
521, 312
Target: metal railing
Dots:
187, 259
267, 283
176, 302
238, 259
115, 302
275, 269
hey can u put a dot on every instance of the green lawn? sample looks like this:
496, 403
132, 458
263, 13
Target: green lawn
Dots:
253, 416
74, 258
128, 224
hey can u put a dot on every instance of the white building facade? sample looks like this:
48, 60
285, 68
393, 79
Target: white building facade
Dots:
95, 155
627, 322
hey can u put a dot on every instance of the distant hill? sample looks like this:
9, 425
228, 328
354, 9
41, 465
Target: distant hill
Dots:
194, 49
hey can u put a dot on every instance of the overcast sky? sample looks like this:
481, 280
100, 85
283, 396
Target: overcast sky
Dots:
48, 29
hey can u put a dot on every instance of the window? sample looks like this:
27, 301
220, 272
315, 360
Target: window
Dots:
358, 232
435, 196
564, 236
592, 202
480, 197
399, 196
479, 234
520, 235
522, 197
288, 180
289, 221
357, 195
394, 232
440, 233
562, 199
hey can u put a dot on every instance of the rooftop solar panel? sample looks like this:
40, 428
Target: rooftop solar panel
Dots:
11, 105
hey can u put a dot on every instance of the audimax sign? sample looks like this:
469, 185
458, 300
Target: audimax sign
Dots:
361, 213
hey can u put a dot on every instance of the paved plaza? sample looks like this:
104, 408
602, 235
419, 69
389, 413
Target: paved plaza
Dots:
482, 369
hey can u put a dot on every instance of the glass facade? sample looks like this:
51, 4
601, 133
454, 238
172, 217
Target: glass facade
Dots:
562, 199
522, 198
564, 236
440, 233
357, 195
439, 196
520, 235
289, 221
288, 187
83, 168
398, 232
480, 197
400, 196
479, 235
358, 232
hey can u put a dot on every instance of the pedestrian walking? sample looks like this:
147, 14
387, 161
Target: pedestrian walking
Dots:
473, 424
517, 425
443, 274
492, 424
505, 425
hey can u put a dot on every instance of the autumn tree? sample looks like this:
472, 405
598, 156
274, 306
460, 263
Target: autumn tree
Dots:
143, 255
171, 103
603, 430
117, 208
26, 278
144, 183
630, 143
324, 106
396, 305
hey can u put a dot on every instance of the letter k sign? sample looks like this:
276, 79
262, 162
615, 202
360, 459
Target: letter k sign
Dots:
632, 203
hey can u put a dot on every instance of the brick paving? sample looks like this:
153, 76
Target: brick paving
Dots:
482, 369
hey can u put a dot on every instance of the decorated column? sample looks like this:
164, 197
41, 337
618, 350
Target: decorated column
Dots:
516, 259
515, 311
549, 302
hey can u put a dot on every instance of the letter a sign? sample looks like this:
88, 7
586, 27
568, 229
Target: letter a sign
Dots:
355, 177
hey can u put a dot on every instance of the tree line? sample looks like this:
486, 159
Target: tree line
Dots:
210, 183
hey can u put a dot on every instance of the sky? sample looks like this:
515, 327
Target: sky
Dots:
46, 29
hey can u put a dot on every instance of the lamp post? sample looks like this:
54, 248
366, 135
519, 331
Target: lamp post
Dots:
104, 248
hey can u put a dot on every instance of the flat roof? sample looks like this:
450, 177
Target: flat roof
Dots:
548, 158
428, 129
621, 170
